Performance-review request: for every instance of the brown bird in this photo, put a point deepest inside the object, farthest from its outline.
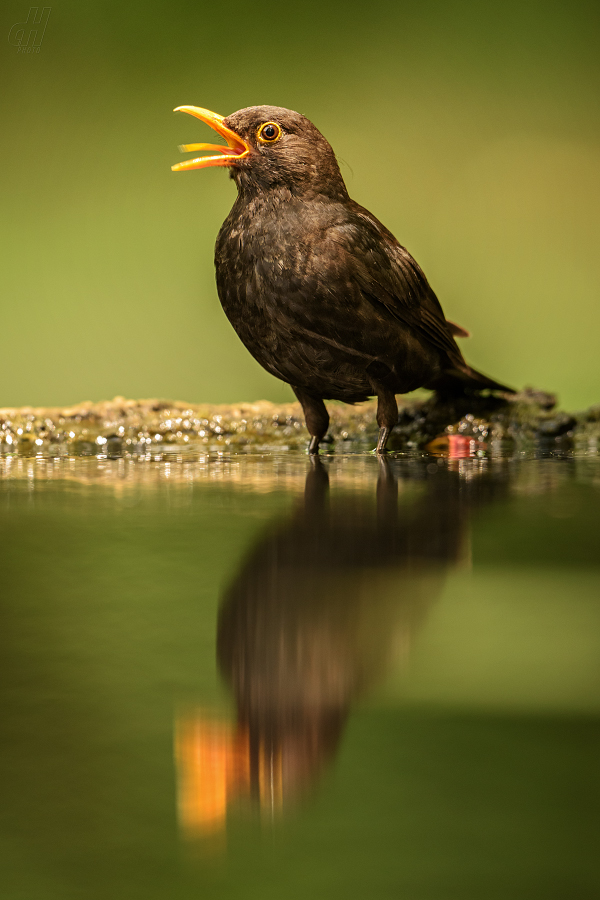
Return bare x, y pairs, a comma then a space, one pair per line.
319, 291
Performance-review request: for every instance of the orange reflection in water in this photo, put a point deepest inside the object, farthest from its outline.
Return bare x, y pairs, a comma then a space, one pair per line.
213, 767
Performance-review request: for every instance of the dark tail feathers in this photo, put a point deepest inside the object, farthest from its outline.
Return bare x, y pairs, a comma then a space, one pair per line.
459, 381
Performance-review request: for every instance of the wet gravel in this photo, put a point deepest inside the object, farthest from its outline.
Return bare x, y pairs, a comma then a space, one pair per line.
134, 428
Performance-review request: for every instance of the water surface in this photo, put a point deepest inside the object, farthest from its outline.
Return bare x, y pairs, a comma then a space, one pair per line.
261, 676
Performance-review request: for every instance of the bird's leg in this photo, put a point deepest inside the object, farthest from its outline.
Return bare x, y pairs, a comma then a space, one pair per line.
315, 416
387, 414
384, 433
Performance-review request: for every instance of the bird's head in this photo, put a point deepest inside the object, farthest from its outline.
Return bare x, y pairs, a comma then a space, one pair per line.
268, 147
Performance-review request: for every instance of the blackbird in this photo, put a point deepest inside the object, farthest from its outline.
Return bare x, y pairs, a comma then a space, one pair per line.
318, 290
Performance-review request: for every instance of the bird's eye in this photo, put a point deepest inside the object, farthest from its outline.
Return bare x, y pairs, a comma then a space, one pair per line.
269, 133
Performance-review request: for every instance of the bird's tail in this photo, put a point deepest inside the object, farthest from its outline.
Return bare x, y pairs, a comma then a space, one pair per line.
464, 379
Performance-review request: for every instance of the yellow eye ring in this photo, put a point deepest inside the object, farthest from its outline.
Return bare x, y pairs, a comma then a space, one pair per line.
269, 133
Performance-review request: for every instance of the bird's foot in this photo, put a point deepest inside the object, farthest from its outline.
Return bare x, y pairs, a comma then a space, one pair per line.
384, 433
313, 447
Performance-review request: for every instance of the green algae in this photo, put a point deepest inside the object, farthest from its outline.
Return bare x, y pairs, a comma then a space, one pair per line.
135, 428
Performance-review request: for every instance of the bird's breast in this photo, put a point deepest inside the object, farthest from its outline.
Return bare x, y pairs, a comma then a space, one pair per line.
299, 310
261, 260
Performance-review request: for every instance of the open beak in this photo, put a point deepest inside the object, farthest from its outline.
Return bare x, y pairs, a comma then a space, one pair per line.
226, 155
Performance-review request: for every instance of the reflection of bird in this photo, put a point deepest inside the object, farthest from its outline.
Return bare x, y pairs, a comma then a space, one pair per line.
319, 608
319, 291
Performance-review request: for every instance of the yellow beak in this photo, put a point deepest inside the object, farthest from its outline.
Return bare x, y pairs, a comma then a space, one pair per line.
236, 147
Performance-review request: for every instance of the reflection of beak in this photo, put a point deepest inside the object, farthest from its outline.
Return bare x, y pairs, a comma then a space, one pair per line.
236, 148
213, 768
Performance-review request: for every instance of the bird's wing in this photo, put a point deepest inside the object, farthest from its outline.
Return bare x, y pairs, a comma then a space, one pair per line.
387, 274
457, 330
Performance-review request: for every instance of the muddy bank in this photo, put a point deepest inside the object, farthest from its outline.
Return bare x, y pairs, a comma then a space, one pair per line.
122, 427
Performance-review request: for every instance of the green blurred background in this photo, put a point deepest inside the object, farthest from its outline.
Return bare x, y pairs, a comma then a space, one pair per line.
472, 130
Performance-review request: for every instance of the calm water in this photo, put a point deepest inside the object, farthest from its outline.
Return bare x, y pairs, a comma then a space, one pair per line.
259, 677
